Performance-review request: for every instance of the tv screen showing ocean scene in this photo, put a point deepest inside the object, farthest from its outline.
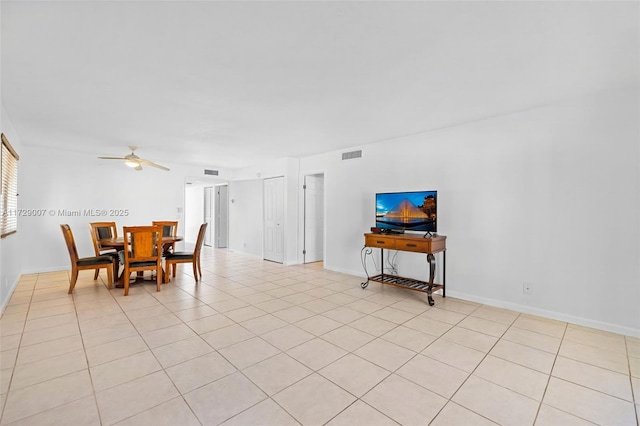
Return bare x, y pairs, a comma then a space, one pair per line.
415, 211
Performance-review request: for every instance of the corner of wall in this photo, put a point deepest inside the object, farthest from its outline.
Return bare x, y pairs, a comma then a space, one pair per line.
7, 290
10, 261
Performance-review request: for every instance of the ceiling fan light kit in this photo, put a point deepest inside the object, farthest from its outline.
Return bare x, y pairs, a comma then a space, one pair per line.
135, 162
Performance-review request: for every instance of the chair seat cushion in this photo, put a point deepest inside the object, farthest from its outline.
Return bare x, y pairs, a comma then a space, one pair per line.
179, 255
100, 260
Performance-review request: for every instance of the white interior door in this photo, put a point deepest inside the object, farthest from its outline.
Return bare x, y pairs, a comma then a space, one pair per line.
273, 246
208, 213
313, 250
222, 216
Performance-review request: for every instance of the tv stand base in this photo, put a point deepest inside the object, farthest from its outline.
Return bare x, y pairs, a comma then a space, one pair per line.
408, 283
407, 243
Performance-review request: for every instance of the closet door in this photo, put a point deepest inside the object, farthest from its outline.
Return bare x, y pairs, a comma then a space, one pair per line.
273, 247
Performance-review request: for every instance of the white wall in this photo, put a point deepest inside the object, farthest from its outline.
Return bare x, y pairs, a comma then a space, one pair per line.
289, 169
10, 259
246, 217
293, 184
193, 212
548, 196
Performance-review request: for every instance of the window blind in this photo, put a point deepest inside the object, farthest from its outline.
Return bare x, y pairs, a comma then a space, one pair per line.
10, 158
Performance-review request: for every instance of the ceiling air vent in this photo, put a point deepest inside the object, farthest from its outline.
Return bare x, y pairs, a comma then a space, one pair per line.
352, 154
211, 172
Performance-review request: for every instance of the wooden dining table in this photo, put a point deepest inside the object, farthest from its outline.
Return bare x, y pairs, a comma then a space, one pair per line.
118, 244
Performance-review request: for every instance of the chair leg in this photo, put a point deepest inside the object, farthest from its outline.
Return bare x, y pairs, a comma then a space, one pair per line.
111, 275
95, 274
175, 269
158, 278
125, 279
199, 268
74, 278
109, 269
195, 270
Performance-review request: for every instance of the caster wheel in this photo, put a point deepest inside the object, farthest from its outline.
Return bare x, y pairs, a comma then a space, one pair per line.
364, 285
430, 300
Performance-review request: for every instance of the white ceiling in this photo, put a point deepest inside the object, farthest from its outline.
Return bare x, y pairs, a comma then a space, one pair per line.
230, 84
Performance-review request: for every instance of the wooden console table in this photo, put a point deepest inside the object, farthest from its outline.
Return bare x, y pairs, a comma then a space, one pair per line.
411, 243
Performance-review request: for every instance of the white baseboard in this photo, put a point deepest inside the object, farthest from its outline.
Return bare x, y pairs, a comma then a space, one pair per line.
244, 253
4, 303
47, 269
259, 256
586, 322
358, 274
559, 316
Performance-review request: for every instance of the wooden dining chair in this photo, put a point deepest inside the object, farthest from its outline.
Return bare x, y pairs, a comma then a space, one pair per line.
187, 257
79, 264
169, 229
144, 252
101, 231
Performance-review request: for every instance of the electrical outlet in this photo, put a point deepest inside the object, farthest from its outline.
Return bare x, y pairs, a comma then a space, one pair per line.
527, 287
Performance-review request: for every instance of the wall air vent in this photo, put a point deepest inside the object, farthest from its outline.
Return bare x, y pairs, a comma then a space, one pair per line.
352, 154
211, 172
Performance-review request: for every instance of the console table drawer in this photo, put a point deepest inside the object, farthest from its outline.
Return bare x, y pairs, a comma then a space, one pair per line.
380, 241
413, 245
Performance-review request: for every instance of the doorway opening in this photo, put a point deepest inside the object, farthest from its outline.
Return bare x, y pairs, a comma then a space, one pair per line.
221, 216
203, 205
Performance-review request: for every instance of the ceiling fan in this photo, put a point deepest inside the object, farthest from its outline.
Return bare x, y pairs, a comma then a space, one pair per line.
132, 160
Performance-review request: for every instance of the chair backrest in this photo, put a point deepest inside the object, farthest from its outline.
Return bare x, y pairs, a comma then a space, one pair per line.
200, 240
100, 231
169, 228
145, 243
71, 244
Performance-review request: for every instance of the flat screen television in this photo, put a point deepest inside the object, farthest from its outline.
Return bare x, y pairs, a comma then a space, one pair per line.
411, 211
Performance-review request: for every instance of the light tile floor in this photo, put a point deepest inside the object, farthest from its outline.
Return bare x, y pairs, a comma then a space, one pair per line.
261, 343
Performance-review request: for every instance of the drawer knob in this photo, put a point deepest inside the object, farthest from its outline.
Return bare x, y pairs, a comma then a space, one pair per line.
411, 245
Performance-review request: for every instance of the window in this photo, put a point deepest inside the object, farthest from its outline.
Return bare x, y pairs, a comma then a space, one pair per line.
10, 158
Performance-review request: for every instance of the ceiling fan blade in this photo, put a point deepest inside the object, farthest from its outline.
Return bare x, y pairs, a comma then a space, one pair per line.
152, 164
132, 160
